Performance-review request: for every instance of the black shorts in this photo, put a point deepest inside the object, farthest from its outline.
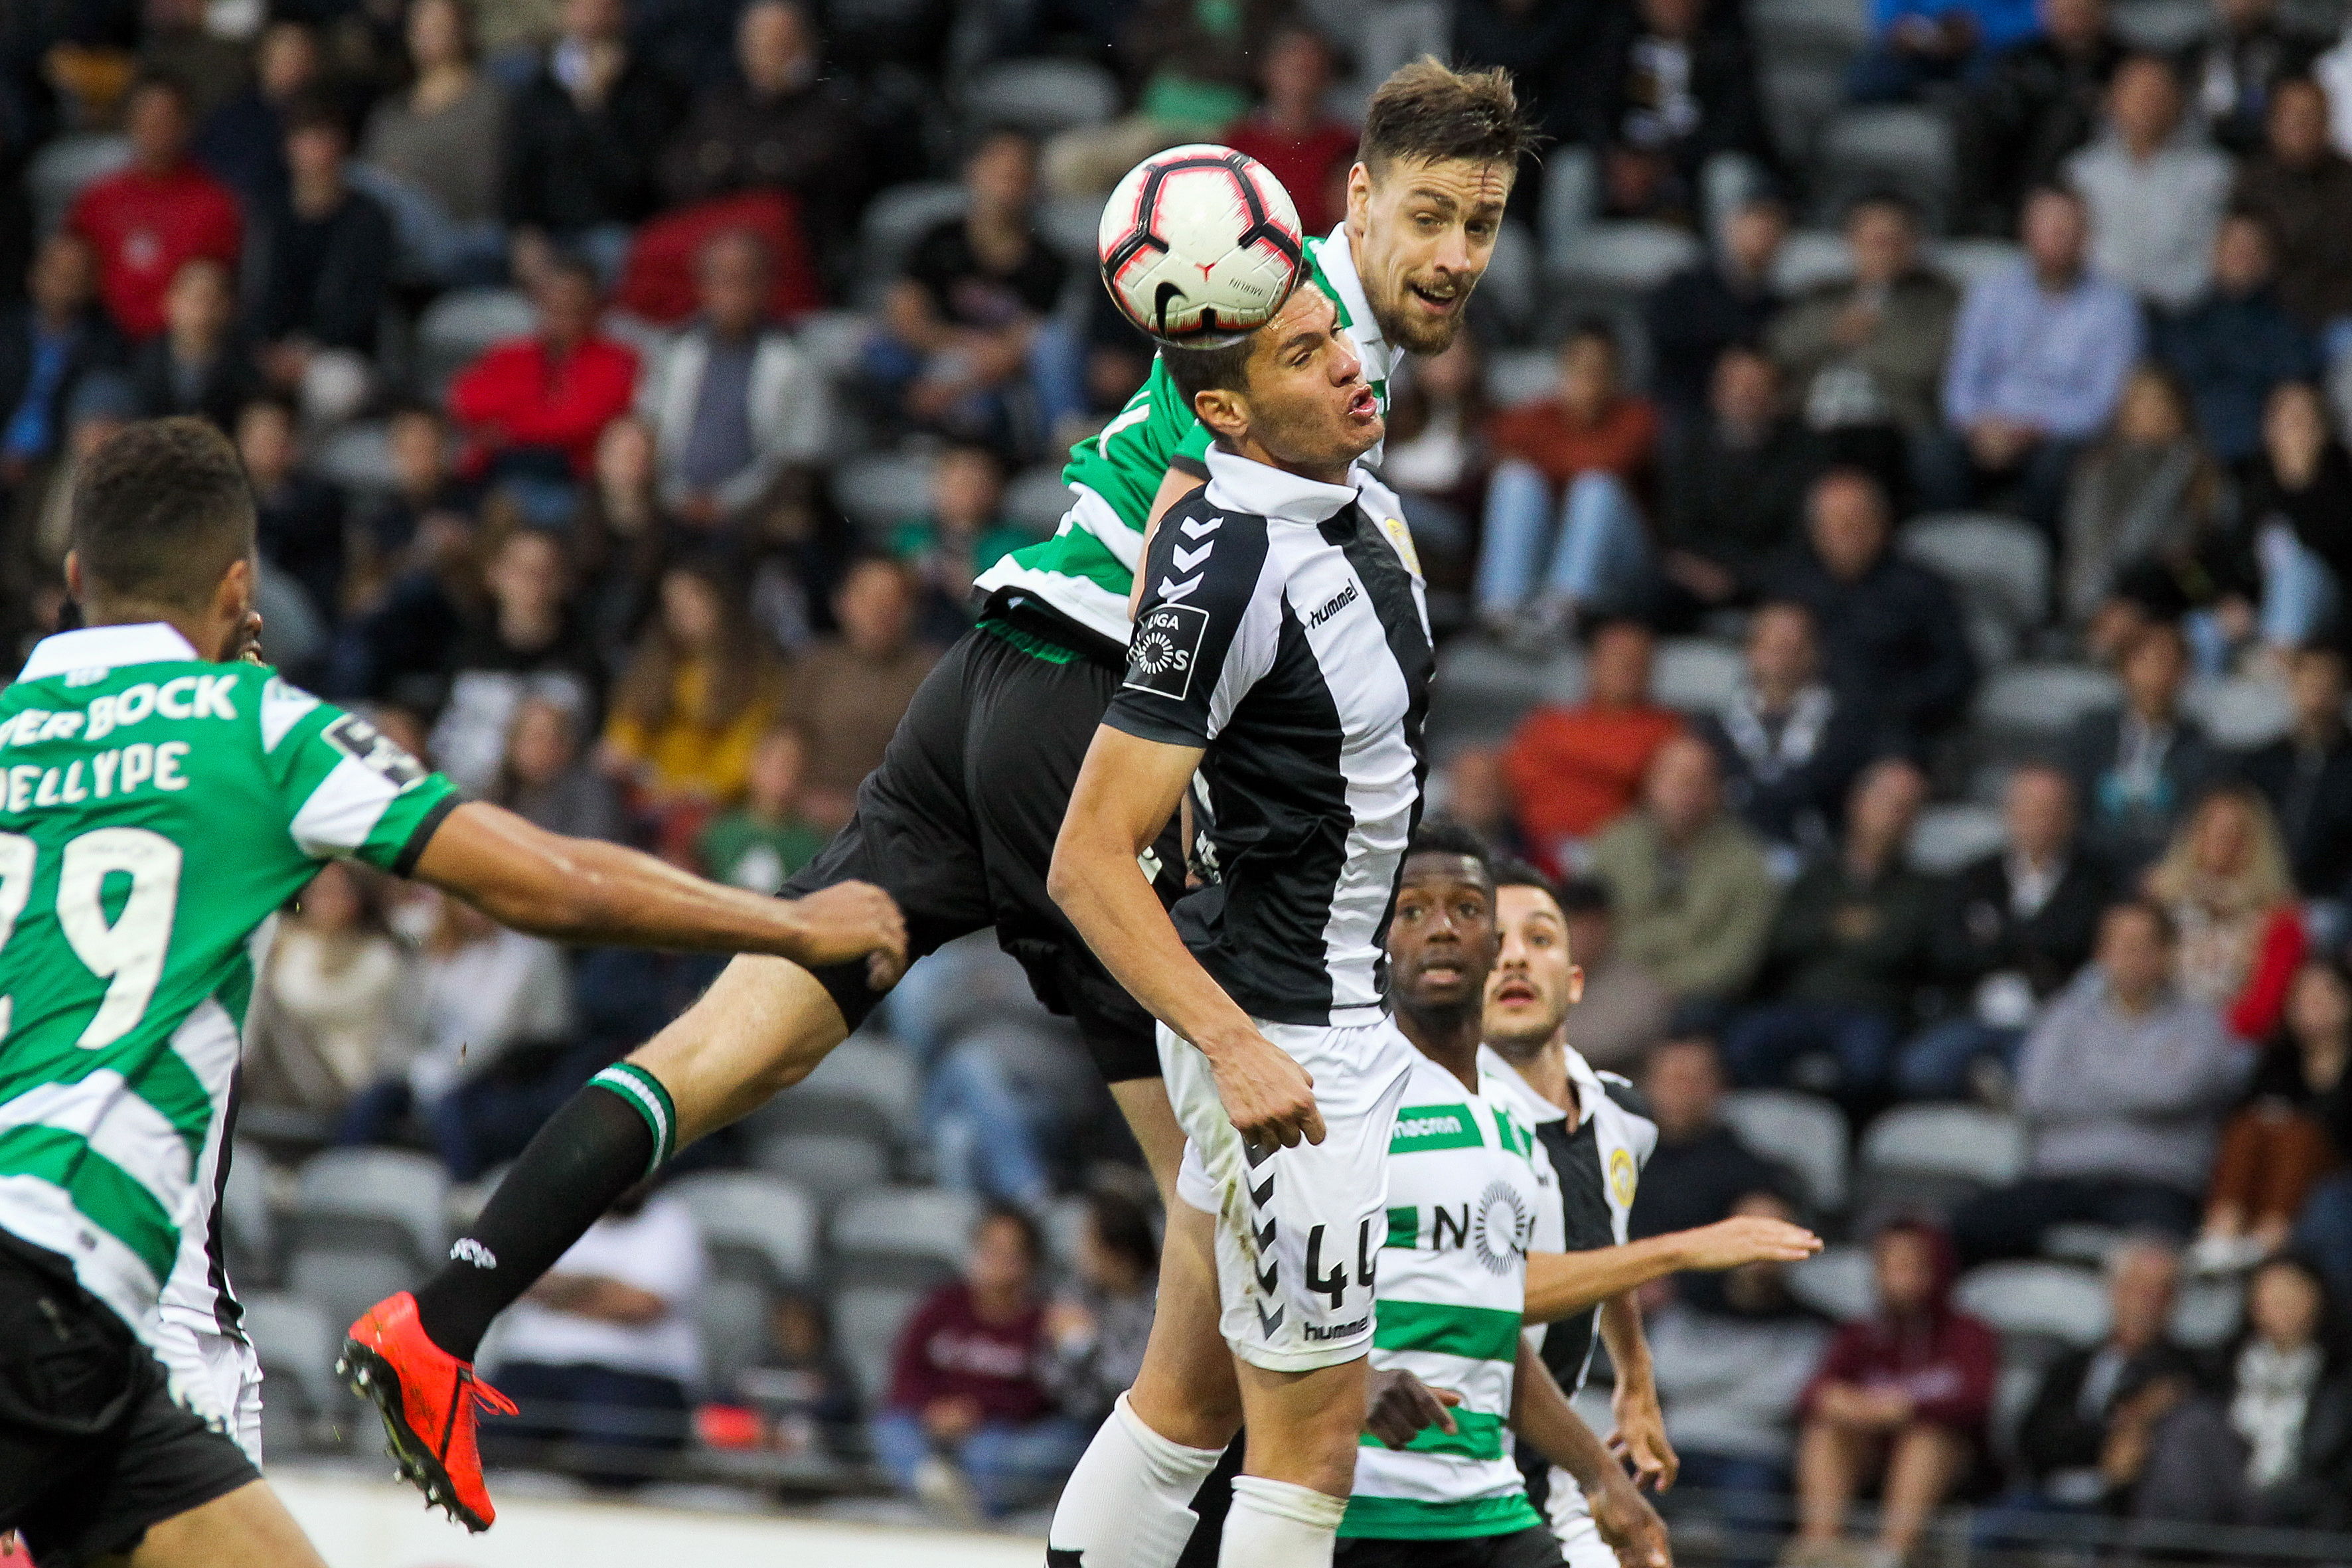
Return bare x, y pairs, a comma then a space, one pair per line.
959, 822
93, 1448
1530, 1548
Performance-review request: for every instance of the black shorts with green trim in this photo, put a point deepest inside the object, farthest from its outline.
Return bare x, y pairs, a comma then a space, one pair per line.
1534, 1547
957, 824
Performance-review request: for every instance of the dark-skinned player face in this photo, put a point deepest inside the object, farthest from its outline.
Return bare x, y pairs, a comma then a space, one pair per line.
1442, 938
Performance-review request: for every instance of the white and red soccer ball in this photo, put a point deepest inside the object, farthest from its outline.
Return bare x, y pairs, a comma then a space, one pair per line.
1199, 244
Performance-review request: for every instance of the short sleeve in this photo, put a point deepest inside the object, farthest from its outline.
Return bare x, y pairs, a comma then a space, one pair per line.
350, 791
1205, 631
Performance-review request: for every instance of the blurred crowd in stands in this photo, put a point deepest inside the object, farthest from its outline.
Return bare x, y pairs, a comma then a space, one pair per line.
1890, 527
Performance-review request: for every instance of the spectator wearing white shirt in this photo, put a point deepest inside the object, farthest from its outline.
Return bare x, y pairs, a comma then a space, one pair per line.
604, 1351
2155, 187
733, 402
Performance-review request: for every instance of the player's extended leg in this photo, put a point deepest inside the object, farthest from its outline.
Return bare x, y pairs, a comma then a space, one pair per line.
1301, 1464
246, 1526
1129, 1502
1144, 1102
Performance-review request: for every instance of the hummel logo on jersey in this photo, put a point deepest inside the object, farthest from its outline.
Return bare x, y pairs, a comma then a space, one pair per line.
466, 1249
1166, 646
1332, 605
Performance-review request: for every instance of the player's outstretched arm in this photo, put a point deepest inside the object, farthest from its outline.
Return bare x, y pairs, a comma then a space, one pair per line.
1542, 1413
1128, 788
1641, 1436
1562, 1284
585, 889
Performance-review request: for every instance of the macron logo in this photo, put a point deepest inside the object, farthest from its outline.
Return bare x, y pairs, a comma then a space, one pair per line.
1332, 605
466, 1249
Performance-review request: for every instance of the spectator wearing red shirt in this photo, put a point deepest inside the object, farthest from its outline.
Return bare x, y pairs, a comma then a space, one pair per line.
969, 1426
531, 403
1565, 534
147, 220
1291, 133
1572, 771
1904, 1395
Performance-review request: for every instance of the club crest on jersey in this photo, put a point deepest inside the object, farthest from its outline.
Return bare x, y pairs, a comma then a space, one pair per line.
1164, 649
1622, 1177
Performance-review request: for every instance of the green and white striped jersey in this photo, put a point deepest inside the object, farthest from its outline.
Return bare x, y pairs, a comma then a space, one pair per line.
1084, 572
1464, 1179
155, 810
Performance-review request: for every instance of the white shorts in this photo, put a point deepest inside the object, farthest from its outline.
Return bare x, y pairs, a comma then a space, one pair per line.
1571, 1517
1299, 1230
216, 1375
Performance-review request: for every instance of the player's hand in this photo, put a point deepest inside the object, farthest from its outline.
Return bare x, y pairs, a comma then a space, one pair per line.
1268, 1096
1398, 1406
1641, 1437
1747, 1239
1628, 1525
852, 920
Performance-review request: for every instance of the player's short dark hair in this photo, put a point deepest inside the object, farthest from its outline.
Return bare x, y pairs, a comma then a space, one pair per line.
1196, 371
1511, 872
1444, 835
1427, 110
159, 512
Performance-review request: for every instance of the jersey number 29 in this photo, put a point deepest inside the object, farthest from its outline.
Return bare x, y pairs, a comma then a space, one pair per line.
126, 951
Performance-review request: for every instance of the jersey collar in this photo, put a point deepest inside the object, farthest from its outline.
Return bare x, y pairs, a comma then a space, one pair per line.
1241, 484
1335, 258
1521, 1099
107, 648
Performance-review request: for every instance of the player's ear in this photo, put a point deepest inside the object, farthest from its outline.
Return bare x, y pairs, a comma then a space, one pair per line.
1225, 412
1359, 198
1575, 984
73, 576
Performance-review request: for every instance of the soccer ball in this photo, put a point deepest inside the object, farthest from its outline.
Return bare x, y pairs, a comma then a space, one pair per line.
1199, 244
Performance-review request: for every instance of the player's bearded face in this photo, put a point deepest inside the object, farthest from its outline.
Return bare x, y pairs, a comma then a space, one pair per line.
1423, 232
1534, 980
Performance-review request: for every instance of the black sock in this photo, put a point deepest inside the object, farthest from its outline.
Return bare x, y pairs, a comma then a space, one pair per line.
607, 1138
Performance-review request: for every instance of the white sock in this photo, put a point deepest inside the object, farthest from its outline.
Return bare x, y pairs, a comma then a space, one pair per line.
1128, 1503
1274, 1524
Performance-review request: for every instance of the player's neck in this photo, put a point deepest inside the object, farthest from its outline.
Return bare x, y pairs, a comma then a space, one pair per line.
1545, 1070
1254, 450
1446, 1035
199, 635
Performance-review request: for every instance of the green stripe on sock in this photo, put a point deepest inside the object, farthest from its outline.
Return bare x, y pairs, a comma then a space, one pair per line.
647, 1096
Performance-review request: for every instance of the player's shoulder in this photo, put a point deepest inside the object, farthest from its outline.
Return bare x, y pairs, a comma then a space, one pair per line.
1204, 544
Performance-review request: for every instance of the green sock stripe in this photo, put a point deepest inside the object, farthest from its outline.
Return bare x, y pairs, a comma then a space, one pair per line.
647, 1096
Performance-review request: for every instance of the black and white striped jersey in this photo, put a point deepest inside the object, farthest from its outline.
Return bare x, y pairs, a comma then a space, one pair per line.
1285, 630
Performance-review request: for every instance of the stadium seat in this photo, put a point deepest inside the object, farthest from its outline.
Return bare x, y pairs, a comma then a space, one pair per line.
866, 1320
1999, 564
869, 1071
1064, 1221
61, 170
754, 1221
344, 1281
1949, 836
1802, 1132
910, 1236
1835, 29
2240, 711
1384, 37
1041, 96
2206, 1311
1510, 295
1836, 1282
893, 221
2023, 1363
1907, 148
248, 1229
835, 339
1619, 257
1933, 1156
829, 1166
1695, 675
1482, 691
1808, 258
296, 1343
2050, 1301
1037, 498
730, 1314
1800, 95
2081, 1243
2042, 702
1521, 375
357, 457
2161, 27
369, 1197
1071, 228
456, 327
882, 490
1967, 261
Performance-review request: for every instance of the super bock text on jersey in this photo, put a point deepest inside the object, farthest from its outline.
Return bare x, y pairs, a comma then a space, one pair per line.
158, 809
